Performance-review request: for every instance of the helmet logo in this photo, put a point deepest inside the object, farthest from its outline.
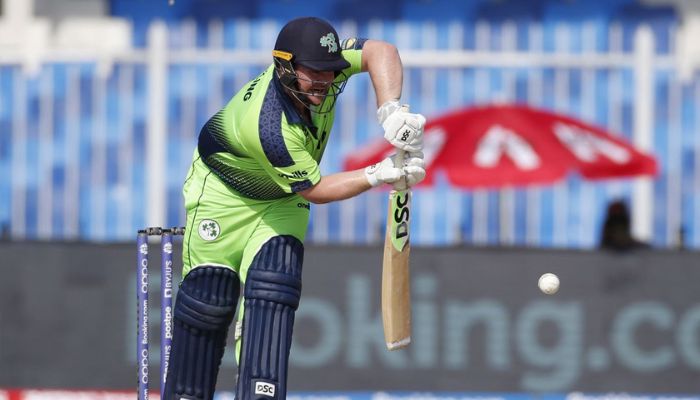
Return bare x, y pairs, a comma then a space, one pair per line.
329, 41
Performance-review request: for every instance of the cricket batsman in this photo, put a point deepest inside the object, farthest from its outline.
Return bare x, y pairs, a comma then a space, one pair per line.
248, 194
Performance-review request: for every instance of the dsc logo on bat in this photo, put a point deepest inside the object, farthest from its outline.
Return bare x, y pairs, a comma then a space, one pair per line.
401, 201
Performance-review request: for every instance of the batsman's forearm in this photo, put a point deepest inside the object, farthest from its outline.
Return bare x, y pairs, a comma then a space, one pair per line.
383, 63
340, 186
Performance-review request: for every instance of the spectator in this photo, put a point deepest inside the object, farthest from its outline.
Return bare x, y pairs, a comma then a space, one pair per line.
617, 233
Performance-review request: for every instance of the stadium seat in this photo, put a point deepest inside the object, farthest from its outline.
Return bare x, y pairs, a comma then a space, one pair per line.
659, 18
205, 10
559, 11
201, 10
96, 33
284, 10
363, 12
142, 13
511, 10
34, 34
439, 10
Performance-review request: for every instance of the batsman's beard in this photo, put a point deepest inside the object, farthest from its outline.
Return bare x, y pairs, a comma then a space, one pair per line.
289, 80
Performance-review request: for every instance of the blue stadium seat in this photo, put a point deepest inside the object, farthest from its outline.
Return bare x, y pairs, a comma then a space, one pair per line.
284, 10
201, 10
205, 10
142, 13
439, 10
660, 18
361, 11
511, 10
641, 12
572, 11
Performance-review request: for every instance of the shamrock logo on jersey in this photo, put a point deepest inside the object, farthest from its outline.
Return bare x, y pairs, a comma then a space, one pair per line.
329, 41
209, 229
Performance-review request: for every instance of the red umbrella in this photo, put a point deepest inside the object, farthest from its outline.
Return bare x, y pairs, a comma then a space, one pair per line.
497, 146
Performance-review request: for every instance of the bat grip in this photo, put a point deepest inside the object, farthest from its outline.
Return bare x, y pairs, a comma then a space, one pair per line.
398, 163
398, 160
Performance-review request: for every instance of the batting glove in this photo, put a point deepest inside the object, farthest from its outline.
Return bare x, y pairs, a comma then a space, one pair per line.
404, 130
383, 172
414, 168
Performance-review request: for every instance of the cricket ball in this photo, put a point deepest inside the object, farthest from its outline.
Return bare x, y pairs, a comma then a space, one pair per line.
548, 283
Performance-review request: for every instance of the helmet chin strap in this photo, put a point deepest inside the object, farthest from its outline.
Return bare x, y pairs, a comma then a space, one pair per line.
290, 81
291, 87
304, 100
302, 96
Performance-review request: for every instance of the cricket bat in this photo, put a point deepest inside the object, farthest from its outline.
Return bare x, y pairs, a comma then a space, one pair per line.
396, 287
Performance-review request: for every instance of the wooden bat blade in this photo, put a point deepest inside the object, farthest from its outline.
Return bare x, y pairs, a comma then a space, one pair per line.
396, 295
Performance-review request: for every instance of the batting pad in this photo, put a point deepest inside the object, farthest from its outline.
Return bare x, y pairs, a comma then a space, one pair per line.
272, 291
203, 312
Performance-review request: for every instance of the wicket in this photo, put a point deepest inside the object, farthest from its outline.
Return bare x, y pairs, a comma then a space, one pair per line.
166, 303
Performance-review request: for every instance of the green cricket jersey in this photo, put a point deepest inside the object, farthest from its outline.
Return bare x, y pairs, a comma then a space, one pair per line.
260, 146
251, 159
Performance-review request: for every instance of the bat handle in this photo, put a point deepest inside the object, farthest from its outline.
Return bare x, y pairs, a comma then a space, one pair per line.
398, 160
398, 163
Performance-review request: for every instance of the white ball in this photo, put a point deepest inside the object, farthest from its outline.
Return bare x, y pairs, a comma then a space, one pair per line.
548, 283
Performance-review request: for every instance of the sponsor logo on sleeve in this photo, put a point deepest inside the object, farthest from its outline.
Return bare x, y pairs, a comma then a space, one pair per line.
294, 175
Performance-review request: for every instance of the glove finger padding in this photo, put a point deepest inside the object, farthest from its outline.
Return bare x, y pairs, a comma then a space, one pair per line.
414, 158
414, 174
383, 172
414, 168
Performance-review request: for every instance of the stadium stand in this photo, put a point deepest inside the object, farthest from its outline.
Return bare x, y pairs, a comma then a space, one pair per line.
68, 89
385, 10
511, 10
283, 10
660, 18
142, 13
439, 10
